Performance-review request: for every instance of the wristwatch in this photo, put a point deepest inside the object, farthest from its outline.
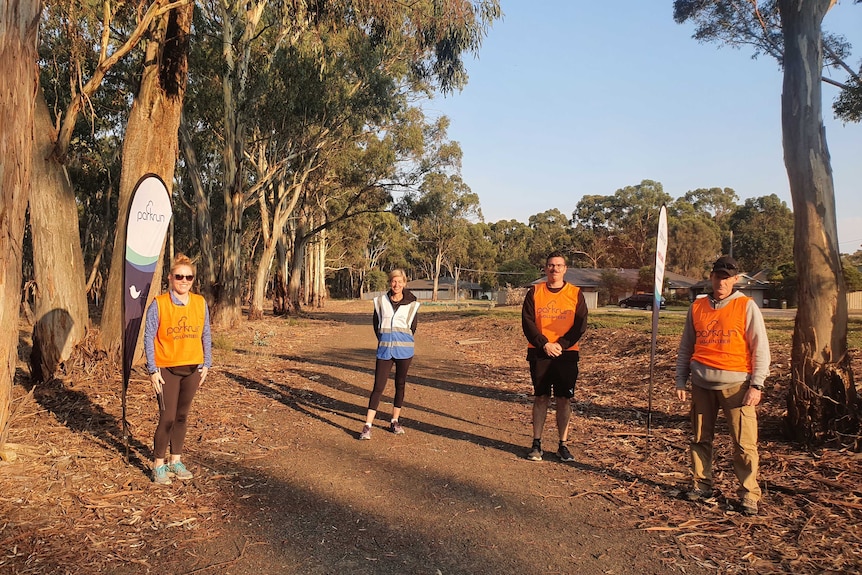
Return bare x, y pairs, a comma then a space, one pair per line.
758, 387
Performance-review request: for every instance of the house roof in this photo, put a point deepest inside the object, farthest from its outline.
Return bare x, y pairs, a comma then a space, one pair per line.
444, 283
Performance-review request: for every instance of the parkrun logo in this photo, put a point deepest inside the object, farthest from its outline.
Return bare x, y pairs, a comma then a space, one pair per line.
149, 216
183, 331
714, 334
552, 312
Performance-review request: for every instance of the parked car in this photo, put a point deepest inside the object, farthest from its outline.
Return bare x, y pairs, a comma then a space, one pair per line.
642, 300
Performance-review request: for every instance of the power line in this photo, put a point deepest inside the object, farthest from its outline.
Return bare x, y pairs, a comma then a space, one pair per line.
490, 272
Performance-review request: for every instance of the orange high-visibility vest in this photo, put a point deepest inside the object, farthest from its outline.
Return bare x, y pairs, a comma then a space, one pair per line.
181, 327
555, 312
720, 335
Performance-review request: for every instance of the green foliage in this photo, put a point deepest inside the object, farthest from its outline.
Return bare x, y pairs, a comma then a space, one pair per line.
848, 104
376, 280
481, 254
694, 242
784, 281
438, 217
512, 240
628, 221
757, 25
613, 287
518, 272
852, 275
551, 232
762, 233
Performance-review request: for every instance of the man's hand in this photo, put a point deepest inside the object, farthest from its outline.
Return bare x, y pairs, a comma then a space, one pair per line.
752, 396
680, 394
553, 349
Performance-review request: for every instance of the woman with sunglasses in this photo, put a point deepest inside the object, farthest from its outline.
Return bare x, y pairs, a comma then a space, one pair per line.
178, 344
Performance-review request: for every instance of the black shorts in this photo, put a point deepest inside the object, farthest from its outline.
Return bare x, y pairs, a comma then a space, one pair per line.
559, 375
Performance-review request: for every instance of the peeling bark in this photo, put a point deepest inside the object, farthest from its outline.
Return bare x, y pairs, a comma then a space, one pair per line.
822, 402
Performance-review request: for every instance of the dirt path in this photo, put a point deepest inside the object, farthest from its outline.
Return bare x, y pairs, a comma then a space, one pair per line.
454, 495
283, 486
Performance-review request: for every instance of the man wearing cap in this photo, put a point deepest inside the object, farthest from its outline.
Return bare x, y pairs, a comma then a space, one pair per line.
725, 351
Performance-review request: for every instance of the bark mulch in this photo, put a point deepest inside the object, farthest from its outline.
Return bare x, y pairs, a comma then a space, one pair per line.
70, 503
810, 519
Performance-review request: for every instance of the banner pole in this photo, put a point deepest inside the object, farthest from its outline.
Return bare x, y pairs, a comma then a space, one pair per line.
660, 253
146, 226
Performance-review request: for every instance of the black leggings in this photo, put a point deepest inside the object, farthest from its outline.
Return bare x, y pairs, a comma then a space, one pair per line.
177, 394
381, 374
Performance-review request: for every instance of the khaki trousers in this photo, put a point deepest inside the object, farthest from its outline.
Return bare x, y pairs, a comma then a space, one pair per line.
742, 421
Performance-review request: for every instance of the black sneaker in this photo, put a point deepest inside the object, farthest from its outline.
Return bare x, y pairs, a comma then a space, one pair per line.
564, 454
535, 452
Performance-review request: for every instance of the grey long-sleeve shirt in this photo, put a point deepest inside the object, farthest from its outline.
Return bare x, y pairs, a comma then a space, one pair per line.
755, 335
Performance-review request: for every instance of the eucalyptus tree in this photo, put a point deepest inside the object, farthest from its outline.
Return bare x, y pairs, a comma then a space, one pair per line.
151, 138
438, 217
481, 255
80, 48
823, 402
593, 246
762, 233
17, 102
414, 46
717, 203
373, 241
629, 218
551, 231
694, 235
634, 220
512, 240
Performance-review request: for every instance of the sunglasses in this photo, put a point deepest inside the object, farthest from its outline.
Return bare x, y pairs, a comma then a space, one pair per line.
180, 277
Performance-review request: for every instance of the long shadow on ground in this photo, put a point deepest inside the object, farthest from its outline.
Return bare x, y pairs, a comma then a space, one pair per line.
307, 402
75, 410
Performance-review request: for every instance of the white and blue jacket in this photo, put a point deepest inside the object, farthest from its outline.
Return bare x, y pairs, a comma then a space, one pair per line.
395, 324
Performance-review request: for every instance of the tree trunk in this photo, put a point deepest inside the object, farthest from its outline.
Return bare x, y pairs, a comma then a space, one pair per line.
438, 265
258, 292
280, 303
206, 266
294, 283
321, 269
18, 34
822, 402
58, 260
150, 145
307, 274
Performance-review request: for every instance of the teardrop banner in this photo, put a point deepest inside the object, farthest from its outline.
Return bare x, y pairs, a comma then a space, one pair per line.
660, 254
146, 226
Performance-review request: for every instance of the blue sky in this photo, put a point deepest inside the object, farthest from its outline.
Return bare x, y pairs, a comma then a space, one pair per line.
575, 97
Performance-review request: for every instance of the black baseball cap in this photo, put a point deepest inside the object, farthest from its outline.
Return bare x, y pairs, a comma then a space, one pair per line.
725, 266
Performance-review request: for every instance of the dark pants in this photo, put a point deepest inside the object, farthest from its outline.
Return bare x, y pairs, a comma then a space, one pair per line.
177, 394
381, 375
